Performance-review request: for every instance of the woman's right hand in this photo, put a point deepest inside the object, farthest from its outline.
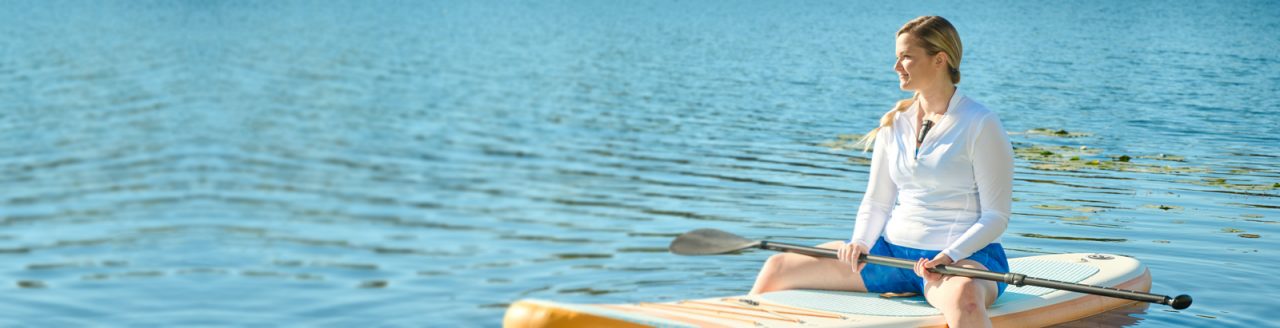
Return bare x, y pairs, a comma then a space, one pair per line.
850, 252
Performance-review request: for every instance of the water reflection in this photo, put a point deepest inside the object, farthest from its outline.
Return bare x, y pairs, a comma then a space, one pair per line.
1126, 316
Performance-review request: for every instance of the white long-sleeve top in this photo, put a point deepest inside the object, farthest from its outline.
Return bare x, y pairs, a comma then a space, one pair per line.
954, 195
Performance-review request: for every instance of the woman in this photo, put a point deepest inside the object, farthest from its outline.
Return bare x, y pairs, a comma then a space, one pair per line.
939, 191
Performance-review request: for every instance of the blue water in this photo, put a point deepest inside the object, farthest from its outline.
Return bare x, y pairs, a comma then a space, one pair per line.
412, 163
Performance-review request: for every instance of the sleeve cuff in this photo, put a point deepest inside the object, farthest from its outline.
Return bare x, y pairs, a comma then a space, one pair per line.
955, 254
863, 241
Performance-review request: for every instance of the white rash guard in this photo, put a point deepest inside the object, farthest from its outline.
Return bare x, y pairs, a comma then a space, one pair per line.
954, 196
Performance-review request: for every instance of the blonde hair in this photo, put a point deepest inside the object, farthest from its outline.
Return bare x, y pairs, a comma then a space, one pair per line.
936, 35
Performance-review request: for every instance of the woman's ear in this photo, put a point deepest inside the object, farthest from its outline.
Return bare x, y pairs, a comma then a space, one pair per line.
941, 58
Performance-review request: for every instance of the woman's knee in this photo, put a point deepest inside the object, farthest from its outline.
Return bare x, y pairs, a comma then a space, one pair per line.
773, 274
964, 294
775, 264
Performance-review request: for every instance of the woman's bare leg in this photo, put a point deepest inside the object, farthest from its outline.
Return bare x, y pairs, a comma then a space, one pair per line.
963, 301
795, 271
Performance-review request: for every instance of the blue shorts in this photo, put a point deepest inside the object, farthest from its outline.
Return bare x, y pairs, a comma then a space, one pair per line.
887, 279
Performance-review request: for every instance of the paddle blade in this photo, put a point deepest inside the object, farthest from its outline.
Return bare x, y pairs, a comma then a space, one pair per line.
709, 242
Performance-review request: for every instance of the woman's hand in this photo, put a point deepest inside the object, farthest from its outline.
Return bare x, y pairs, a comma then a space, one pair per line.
847, 252
922, 267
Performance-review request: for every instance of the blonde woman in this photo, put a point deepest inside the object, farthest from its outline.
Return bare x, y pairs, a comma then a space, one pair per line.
939, 191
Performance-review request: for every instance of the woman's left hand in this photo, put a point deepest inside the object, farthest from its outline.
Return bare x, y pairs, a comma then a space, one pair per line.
923, 266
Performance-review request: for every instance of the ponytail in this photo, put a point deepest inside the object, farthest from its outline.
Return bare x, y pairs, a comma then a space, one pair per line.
886, 121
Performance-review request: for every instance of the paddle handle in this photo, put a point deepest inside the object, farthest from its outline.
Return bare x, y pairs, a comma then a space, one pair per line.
1016, 279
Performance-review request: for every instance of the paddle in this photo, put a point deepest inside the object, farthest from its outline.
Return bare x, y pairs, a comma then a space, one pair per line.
712, 241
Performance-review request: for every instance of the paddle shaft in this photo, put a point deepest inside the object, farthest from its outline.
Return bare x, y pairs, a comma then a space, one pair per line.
1015, 279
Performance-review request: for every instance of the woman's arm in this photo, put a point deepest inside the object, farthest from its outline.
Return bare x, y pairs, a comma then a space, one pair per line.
881, 194
993, 173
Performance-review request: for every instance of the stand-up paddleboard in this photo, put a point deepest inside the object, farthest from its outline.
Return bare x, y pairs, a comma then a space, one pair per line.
1026, 306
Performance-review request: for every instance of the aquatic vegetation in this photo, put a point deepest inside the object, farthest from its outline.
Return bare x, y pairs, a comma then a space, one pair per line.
1164, 157
373, 284
864, 161
1164, 207
31, 284
843, 142
52, 266
1057, 157
1057, 133
1051, 153
1275, 207
1248, 170
1087, 209
1221, 182
95, 276
1241, 234
1083, 209
576, 256
1066, 158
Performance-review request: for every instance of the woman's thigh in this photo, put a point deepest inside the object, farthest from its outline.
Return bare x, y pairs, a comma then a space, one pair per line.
797, 271
950, 285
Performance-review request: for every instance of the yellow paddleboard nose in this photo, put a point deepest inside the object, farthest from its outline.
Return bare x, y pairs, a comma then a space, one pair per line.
538, 314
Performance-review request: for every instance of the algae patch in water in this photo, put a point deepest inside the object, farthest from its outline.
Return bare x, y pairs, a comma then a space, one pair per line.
1164, 207
843, 142
1060, 133
1164, 157
864, 161
374, 284
1221, 182
31, 284
287, 263
1066, 158
1052, 153
54, 266
1242, 235
1087, 209
96, 276
848, 142
575, 256
643, 250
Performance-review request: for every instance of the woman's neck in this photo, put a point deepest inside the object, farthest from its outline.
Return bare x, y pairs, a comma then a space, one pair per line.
935, 100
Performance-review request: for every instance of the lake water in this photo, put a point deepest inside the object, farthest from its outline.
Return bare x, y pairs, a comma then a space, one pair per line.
414, 163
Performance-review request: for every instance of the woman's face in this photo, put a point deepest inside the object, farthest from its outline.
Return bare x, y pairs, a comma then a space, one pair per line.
916, 69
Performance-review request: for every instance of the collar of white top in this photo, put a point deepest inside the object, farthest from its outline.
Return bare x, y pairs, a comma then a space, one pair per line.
951, 106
